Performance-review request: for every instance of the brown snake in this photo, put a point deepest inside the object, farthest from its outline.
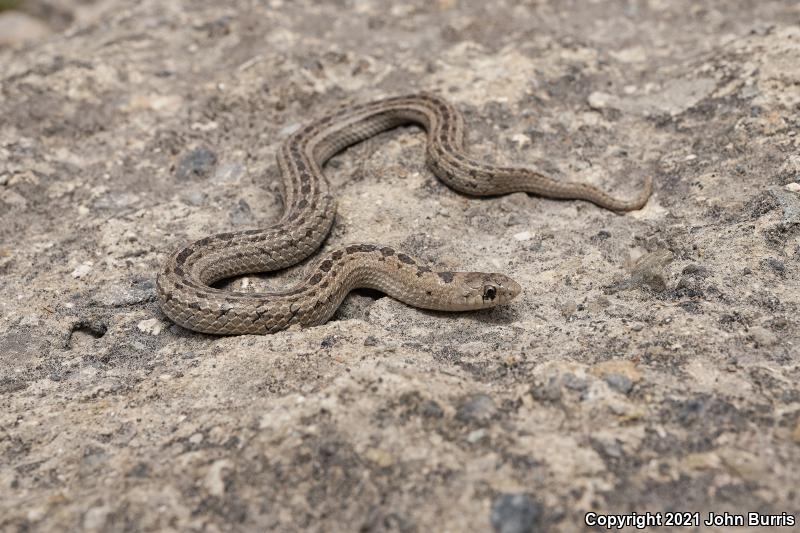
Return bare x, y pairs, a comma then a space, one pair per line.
183, 284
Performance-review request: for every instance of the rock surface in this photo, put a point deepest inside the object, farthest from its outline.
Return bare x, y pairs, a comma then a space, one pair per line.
650, 364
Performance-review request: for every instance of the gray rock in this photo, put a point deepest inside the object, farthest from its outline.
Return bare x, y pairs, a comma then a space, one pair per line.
789, 202
549, 391
514, 513
619, 382
194, 197
571, 381
197, 164
694, 269
431, 409
476, 409
241, 214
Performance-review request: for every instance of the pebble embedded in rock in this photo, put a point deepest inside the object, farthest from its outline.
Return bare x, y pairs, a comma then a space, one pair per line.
241, 214
196, 164
81, 271
689, 286
475, 436
775, 265
478, 409
549, 392
194, 197
619, 382
371, 341
153, 326
514, 513
789, 202
599, 100
571, 381
431, 409
693, 269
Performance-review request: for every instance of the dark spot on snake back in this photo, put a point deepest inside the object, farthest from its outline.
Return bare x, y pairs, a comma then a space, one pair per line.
315, 279
326, 265
405, 259
386, 251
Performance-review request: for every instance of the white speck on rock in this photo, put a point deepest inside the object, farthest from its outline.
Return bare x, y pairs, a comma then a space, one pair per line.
36, 514
204, 126
475, 436
599, 100
523, 236
214, 482
153, 326
82, 270
521, 139
793, 187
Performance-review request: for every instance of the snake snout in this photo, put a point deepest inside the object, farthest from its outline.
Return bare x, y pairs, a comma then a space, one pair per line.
501, 289
512, 289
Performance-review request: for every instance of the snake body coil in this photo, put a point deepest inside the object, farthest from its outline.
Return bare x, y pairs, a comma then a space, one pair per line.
183, 285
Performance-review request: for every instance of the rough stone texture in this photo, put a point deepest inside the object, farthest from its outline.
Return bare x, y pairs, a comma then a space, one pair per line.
651, 363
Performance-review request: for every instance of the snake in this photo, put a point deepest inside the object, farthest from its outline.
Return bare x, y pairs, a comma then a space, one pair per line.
185, 283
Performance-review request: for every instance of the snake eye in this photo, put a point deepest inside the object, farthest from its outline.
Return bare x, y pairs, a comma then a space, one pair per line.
489, 292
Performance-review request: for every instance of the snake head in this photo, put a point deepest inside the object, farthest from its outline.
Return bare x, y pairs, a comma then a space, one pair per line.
478, 290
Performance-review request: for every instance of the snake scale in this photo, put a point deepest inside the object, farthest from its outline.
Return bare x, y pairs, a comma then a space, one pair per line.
184, 284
